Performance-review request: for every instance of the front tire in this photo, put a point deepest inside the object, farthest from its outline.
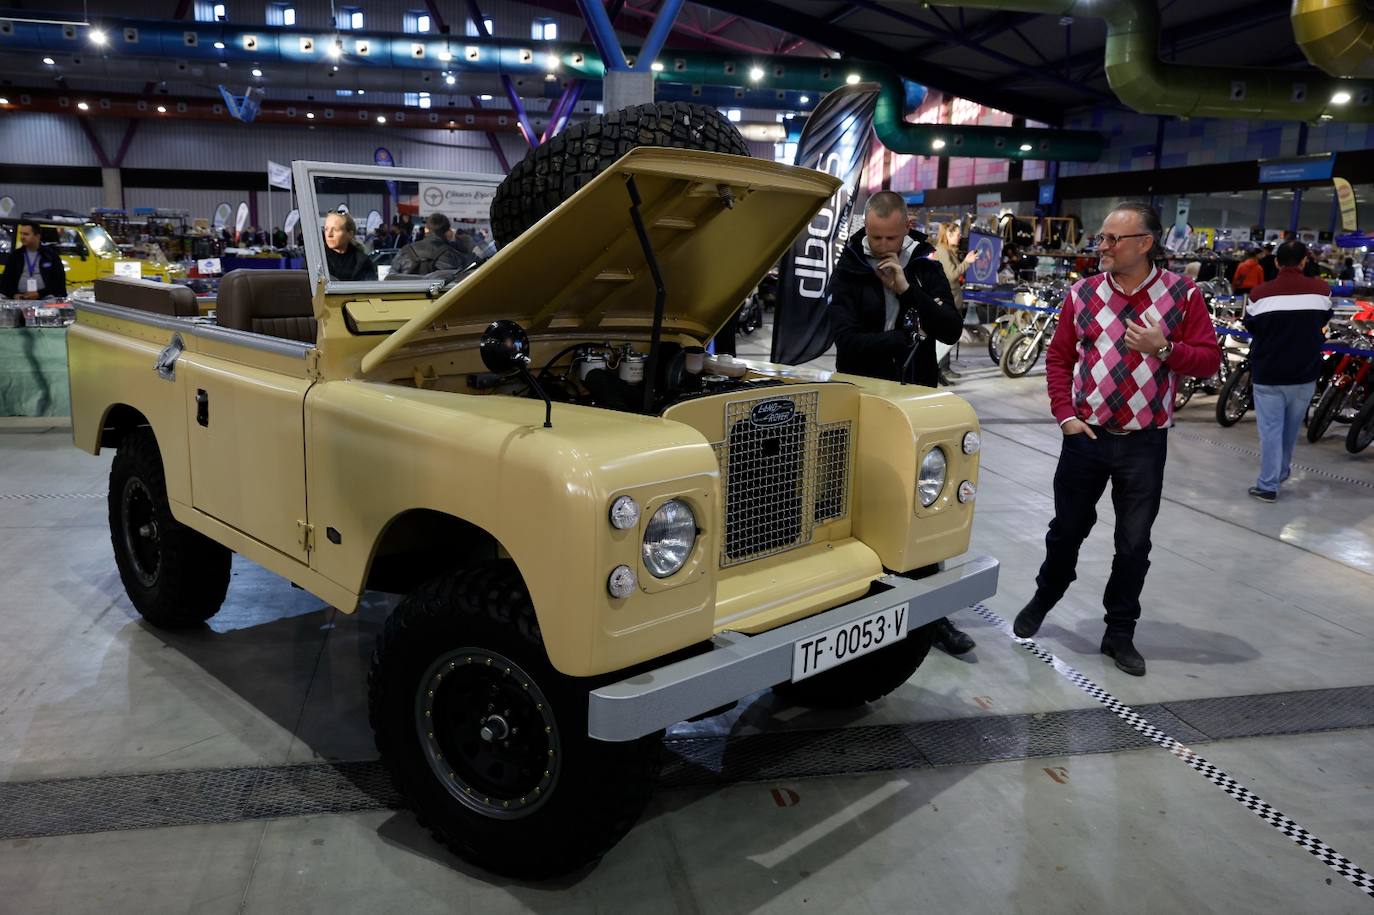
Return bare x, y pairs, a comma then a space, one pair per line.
1361, 432
1187, 386
1021, 354
175, 577
866, 679
488, 742
1330, 404
1235, 398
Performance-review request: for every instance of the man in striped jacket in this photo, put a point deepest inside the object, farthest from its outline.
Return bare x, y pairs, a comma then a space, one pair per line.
1285, 317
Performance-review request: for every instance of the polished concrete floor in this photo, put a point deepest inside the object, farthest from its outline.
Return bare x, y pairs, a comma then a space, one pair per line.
1243, 598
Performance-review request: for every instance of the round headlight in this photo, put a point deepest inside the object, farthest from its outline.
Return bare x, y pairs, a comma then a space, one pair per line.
622, 582
624, 513
669, 537
932, 479
972, 443
967, 491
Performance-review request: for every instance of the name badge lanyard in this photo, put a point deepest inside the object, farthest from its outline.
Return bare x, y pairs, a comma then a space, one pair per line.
31, 268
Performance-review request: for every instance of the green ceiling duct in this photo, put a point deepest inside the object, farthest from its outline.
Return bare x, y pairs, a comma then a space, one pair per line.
1147, 84
899, 135
1336, 35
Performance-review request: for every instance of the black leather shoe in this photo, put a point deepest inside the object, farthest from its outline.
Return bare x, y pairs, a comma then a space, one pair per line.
951, 640
1264, 495
1120, 648
1029, 619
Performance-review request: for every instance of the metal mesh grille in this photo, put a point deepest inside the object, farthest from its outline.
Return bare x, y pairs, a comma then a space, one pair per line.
832, 472
780, 479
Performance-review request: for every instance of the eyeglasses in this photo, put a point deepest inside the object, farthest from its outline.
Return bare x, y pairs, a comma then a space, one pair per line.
1108, 240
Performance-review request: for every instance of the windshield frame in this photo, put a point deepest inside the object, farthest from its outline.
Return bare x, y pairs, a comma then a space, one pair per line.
91, 233
304, 174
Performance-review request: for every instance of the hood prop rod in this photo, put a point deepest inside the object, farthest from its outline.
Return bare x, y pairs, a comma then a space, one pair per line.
660, 293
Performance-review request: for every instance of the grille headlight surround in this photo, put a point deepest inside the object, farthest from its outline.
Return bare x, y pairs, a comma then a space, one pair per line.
624, 513
971, 443
931, 480
669, 538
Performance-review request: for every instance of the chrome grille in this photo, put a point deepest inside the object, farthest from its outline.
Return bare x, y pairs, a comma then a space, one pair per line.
780, 480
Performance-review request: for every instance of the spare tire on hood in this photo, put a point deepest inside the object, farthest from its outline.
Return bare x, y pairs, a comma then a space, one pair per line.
555, 170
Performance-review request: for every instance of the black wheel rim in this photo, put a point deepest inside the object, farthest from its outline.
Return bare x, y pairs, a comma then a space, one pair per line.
142, 538
1238, 402
488, 733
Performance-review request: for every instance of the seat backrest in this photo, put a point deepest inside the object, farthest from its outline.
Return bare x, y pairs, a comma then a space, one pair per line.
147, 295
272, 302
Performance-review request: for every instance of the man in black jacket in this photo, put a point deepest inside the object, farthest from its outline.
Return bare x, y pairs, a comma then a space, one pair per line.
433, 252
889, 303
33, 269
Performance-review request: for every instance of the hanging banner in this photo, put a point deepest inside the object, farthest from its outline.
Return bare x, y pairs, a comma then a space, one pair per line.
457, 201
241, 218
1345, 195
835, 140
291, 219
374, 219
278, 175
989, 208
221, 216
6, 206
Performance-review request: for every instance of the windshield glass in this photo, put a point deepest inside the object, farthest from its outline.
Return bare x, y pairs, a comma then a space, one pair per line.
363, 222
100, 242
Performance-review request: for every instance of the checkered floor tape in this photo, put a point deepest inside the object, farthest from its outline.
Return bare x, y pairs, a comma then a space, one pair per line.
1242, 795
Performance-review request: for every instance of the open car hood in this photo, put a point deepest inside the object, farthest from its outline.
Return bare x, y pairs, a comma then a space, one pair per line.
580, 271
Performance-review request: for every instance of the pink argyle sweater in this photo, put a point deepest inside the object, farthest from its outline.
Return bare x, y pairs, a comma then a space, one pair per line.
1095, 377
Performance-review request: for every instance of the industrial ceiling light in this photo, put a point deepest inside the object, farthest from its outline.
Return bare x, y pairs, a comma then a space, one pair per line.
310, 115
1026, 147
98, 37
805, 99
161, 109
551, 62
381, 119
49, 61
362, 92
852, 78
450, 79
937, 144
1340, 98
83, 106
3, 100
656, 67
219, 46
446, 55
257, 72
335, 50
485, 98
756, 74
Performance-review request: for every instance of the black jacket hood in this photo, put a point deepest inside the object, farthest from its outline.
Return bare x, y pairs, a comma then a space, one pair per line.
854, 260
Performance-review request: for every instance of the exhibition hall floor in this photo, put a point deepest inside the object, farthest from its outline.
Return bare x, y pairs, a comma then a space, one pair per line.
996, 782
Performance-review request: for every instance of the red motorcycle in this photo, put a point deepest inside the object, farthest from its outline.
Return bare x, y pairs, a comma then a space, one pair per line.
1348, 390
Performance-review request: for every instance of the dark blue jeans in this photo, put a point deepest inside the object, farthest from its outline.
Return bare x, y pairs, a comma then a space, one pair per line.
1134, 466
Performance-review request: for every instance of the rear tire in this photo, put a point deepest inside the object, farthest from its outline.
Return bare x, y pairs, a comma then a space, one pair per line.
175, 577
556, 170
488, 742
1330, 404
1187, 386
865, 680
1235, 398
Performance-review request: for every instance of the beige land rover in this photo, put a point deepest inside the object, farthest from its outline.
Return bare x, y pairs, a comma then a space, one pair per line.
599, 529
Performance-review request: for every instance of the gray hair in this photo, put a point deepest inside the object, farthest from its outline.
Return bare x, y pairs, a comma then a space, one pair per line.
884, 203
1149, 219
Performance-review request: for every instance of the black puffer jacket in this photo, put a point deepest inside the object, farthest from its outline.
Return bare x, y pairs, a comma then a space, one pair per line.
429, 254
858, 311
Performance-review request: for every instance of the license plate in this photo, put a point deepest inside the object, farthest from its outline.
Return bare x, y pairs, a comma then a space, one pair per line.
833, 647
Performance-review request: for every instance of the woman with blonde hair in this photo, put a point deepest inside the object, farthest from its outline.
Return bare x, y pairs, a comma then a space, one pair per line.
947, 256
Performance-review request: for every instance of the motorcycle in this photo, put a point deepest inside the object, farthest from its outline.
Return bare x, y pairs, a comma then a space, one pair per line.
1237, 395
1347, 393
1023, 351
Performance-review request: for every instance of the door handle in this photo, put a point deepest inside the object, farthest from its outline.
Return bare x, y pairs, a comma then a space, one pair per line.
202, 407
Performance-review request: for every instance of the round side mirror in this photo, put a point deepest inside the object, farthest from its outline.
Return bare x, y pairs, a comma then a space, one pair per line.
505, 347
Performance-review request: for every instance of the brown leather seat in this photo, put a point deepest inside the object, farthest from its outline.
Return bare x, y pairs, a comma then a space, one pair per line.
272, 302
146, 295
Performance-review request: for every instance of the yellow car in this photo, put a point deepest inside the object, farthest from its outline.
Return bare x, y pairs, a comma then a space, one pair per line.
601, 530
86, 250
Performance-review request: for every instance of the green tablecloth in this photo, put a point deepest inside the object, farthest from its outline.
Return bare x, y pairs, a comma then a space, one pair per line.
33, 372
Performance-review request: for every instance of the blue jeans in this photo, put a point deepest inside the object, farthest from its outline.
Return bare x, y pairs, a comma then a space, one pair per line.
1134, 467
1279, 409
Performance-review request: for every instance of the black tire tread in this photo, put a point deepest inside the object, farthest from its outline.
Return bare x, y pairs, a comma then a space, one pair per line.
486, 601
1239, 377
193, 575
1361, 428
557, 169
1325, 412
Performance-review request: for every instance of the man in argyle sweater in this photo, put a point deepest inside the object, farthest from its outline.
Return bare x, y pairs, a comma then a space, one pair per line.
1124, 337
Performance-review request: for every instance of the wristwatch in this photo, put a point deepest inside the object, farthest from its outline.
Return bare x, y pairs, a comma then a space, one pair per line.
1164, 352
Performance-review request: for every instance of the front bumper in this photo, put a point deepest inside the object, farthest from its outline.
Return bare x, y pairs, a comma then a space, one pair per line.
739, 664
